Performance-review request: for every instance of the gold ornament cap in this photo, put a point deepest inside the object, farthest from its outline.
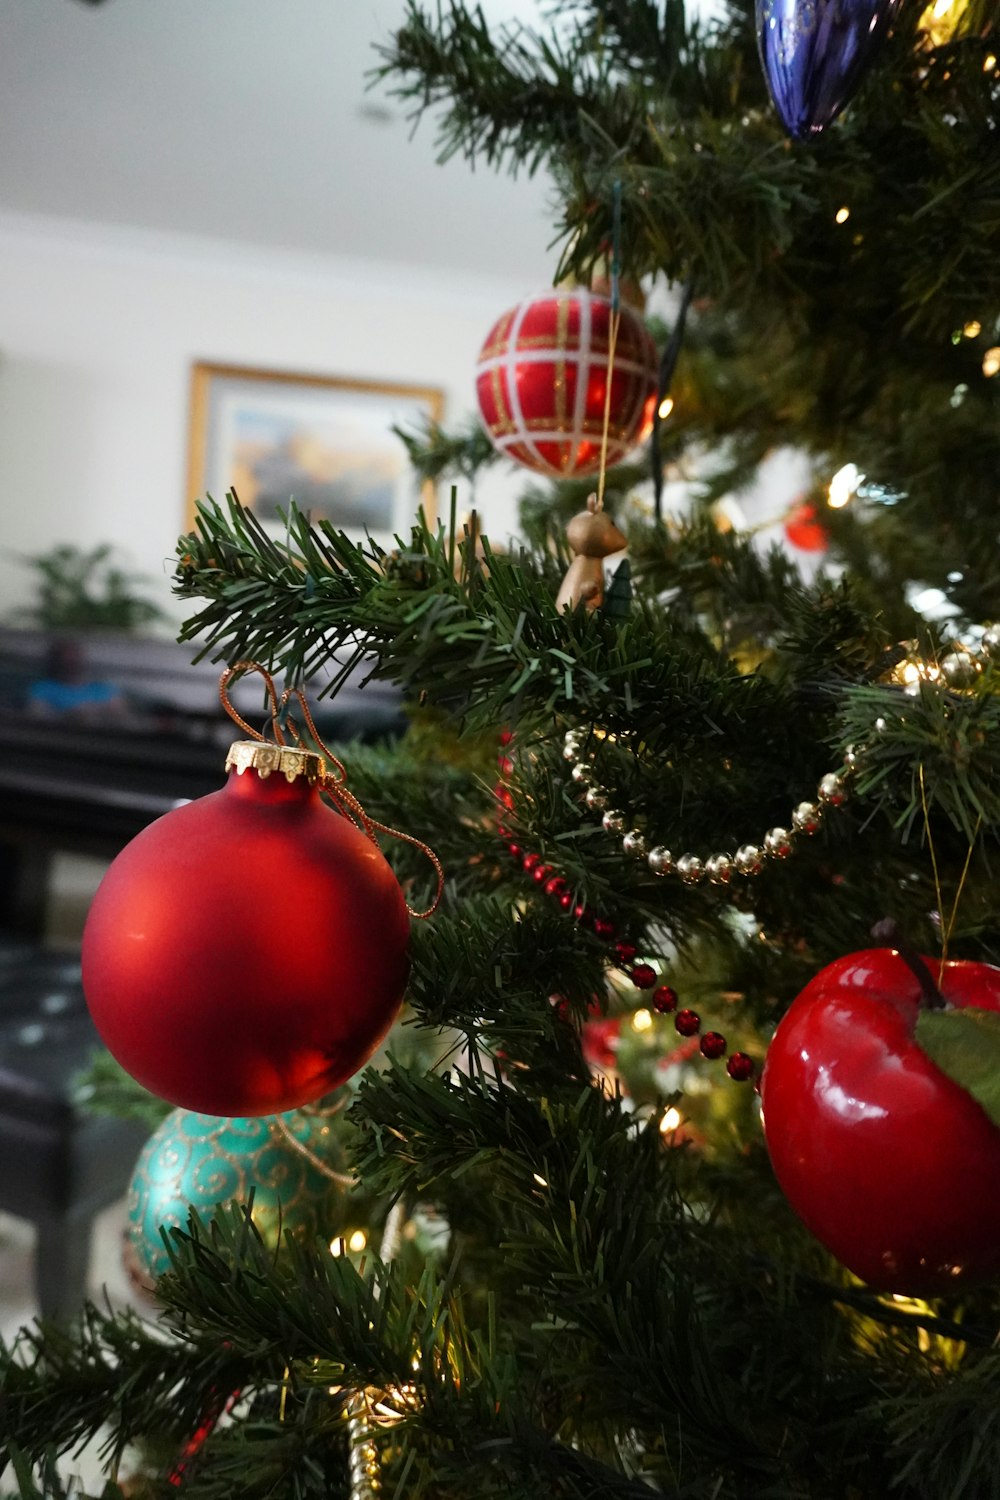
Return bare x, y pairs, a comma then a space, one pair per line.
287, 760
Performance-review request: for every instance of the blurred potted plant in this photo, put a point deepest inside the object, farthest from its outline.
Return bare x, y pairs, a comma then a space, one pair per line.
80, 590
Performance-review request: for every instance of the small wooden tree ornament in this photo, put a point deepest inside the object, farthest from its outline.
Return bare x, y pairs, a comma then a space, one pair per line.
593, 536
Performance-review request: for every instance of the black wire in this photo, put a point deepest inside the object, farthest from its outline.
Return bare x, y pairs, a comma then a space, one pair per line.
667, 366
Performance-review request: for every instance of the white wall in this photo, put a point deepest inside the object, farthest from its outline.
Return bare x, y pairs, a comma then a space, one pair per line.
98, 331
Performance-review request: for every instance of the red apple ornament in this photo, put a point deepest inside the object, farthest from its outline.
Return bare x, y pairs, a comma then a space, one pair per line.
892, 1164
247, 952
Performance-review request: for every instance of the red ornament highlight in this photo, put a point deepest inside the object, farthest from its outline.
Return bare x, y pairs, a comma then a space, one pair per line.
889, 1162
805, 530
542, 379
247, 953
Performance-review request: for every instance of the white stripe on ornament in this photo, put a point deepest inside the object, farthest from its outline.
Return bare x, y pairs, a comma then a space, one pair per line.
546, 356
509, 362
582, 375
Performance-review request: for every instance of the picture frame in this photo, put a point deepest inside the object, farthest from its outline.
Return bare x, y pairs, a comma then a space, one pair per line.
324, 441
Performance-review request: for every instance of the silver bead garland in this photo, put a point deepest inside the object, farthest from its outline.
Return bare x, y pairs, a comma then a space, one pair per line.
718, 868
364, 1468
958, 669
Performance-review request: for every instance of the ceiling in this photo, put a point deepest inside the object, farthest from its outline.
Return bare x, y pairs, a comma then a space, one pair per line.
247, 120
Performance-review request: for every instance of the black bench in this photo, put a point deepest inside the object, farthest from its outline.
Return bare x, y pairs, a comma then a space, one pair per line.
59, 1166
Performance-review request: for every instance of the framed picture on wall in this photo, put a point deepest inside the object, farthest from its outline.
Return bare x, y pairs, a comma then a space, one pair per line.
325, 442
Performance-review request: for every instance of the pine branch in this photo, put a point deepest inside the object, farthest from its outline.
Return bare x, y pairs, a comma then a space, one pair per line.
60, 1388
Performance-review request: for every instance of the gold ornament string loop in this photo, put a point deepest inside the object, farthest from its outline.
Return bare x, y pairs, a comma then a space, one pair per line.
615, 322
341, 1179
237, 670
334, 784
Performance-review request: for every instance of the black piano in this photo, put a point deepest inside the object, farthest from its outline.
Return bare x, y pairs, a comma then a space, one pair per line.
87, 782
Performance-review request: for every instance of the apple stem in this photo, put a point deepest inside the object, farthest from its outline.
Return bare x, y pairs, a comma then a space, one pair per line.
888, 933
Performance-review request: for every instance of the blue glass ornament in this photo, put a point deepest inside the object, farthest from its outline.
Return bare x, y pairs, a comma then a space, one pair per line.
815, 53
204, 1160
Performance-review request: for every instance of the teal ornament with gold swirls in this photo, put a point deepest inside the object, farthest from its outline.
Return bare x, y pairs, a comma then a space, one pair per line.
200, 1161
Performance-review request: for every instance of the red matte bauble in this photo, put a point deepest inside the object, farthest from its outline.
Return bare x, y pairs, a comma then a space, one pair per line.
805, 530
247, 952
889, 1162
541, 380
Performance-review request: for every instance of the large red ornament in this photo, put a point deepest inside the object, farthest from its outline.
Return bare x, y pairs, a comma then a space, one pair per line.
889, 1162
246, 953
542, 375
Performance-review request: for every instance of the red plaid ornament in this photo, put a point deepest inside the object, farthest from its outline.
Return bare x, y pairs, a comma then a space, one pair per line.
541, 379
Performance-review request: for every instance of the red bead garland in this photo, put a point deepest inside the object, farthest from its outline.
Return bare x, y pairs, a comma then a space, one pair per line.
663, 1000
713, 1044
740, 1067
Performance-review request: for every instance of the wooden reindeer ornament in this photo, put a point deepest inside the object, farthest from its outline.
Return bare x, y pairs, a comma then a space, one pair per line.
593, 536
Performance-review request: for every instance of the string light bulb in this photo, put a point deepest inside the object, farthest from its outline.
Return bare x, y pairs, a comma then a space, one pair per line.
354, 1241
941, 20
991, 361
642, 1020
973, 328
842, 215
844, 486
671, 1120
665, 407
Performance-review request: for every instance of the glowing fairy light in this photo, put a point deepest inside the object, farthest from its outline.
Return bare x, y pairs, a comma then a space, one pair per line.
941, 20
671, 1120
844, 486
355, 1241
665, 408
842, 215
642, 1020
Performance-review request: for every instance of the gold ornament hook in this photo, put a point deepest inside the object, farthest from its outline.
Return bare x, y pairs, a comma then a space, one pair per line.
333, 778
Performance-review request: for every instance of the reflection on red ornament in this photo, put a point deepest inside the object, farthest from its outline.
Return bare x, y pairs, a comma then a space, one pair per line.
600, 1041
541, 380
804, 529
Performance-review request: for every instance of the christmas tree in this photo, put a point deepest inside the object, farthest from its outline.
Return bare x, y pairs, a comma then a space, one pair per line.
582, 1275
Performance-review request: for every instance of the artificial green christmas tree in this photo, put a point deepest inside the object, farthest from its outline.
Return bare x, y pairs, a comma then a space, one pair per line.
707, 797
